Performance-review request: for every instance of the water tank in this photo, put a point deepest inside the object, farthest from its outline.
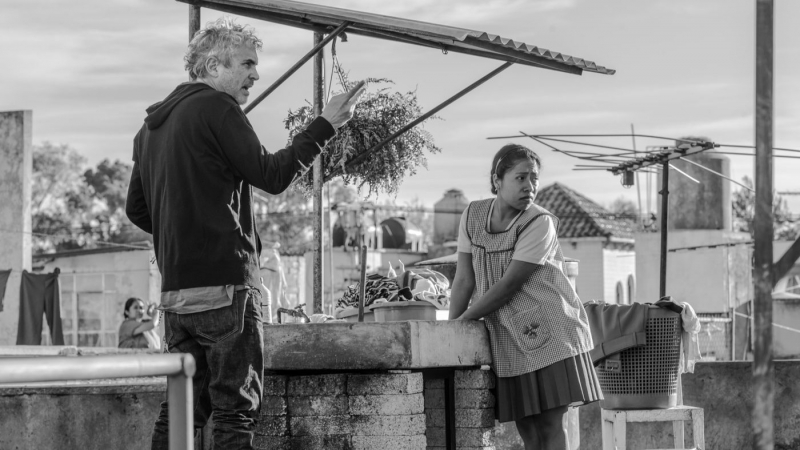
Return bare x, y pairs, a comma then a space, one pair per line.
400, 233
699, 206
447, 215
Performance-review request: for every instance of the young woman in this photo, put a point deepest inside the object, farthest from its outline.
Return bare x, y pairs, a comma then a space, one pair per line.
508, 254
135, 332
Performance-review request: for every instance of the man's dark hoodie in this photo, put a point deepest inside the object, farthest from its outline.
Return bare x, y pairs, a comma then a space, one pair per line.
195, 160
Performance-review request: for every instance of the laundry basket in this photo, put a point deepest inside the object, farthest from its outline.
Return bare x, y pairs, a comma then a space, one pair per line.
648, 375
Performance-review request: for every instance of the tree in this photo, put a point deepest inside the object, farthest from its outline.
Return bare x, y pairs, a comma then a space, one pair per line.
744, 203
624, 208
73, 208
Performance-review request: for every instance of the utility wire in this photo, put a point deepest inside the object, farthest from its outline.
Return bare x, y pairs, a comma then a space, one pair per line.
719, 174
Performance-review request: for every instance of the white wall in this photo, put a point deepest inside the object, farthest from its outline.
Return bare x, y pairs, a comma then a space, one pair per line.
708, 278
589, 253
618, 265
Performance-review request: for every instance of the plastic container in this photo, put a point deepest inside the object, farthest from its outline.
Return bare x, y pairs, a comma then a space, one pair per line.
648, 375
351, 315
399, 311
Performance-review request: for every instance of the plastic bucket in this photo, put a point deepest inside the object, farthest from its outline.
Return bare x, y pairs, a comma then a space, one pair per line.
399, 311
351, 315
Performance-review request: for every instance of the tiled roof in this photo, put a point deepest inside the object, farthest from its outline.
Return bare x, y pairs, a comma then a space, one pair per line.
580, 217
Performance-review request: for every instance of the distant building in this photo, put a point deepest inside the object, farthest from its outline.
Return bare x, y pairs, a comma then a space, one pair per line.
602, 243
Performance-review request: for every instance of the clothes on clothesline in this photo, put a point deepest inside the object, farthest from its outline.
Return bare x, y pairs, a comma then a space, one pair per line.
4, 274
40, 294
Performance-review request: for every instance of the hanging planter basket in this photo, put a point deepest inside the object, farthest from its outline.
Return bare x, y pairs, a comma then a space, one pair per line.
377, 115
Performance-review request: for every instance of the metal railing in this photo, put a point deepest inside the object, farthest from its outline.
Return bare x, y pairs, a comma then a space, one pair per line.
177, 367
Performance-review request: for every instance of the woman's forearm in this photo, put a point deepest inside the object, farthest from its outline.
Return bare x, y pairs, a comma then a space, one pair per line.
495, 298
501, 292
459, 297
463, 285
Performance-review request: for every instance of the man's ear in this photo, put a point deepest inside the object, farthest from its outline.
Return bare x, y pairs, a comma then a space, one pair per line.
212, 66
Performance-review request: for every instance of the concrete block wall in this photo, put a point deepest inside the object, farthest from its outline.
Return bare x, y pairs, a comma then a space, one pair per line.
342, 411
475, 421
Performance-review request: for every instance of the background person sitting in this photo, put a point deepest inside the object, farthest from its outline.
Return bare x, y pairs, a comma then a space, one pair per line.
136, 331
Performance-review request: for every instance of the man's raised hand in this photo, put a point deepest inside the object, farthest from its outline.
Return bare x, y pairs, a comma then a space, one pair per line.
340, 107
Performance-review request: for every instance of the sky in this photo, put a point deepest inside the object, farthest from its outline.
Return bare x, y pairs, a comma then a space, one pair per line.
89, 68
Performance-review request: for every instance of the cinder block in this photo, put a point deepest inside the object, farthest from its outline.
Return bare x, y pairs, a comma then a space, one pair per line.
274, 385
434, 398
474, 418
318, 405
408, 425
387, 405
475, 437
435, 417
271, 442
434, 383
273, 405
272, 426
460, 448
384, 383
319, 426
475, 379
389, 442
338, 442
435, 437
465, 418
465, 437
308, 385
474, 399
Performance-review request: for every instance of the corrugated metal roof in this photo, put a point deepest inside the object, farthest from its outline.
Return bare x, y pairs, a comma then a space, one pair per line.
581, 217
446, 38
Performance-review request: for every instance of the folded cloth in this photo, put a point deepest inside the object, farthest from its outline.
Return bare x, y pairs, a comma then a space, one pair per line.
689, 339
615, 327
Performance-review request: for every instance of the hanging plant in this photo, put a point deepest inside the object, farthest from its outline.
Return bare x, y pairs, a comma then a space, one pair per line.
377, 115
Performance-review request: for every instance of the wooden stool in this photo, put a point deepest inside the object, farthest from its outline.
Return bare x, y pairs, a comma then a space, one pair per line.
615, 420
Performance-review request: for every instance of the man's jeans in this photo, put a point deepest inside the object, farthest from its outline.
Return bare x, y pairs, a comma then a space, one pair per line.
227, 346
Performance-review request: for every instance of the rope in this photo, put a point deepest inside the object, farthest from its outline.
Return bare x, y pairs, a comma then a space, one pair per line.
784, 327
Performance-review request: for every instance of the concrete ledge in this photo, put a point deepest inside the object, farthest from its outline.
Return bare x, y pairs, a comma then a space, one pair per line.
382, 346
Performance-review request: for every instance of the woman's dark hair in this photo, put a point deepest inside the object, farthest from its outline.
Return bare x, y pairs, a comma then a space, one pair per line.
509, 156
128, 304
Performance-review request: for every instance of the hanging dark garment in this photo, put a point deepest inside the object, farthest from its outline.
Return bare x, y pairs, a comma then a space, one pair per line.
39, 294
4, 274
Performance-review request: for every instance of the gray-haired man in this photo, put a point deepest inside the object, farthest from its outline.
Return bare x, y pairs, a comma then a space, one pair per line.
196, 159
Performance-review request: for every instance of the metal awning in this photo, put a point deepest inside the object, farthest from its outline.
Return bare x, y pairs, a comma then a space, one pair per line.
449, 39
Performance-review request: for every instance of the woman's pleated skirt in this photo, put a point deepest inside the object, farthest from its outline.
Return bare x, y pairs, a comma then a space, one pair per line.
569, 382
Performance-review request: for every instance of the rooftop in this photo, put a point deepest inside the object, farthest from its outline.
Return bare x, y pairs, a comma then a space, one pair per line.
581, 217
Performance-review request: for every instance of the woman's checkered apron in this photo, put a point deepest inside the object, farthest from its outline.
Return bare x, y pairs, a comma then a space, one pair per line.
544, 322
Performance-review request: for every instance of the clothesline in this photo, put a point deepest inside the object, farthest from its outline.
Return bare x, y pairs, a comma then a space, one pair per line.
784, 327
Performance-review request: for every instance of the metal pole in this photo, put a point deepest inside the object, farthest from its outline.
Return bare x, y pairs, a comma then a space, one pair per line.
181, 412
638, 185
330, 252
763, 370
361, 157
313, 52
362, 285
664, 215
319, 98
194, 20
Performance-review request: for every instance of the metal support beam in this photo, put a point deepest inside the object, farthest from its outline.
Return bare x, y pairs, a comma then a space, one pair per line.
319, 99
785, 264
362, 156
194, 20
763, 370
318, 46
662, 291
